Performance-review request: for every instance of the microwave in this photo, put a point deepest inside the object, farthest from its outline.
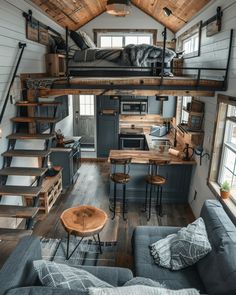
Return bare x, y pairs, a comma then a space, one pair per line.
136, 107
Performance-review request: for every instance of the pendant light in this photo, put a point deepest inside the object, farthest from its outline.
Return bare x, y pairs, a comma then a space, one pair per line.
118, 7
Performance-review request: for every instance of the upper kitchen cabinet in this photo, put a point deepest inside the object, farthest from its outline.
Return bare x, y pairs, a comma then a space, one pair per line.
166, 108
107, 102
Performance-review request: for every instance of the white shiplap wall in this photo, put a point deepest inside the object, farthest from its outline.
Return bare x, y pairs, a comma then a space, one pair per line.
12, 31
214, 52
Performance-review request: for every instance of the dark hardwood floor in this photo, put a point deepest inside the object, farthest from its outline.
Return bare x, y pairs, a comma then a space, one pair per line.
92, 187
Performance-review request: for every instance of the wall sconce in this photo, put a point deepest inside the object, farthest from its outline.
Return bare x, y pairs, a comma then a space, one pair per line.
168, 12
200, 152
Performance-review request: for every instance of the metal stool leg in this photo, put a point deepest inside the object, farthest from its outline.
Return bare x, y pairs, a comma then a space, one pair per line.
146, 198
124, 199
99, 243
150, 203
114, 199
160, 208
158, 197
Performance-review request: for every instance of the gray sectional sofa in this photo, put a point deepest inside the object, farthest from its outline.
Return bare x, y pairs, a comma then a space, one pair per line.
215, 274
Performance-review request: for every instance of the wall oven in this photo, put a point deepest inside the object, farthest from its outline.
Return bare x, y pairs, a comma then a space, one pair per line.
136, 107
131, 142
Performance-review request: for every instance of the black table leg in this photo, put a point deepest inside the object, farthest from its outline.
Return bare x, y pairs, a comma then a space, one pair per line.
68, 243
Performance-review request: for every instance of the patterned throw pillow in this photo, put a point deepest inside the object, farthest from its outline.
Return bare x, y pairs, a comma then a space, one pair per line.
190, 245
141, 290
183, 249
53, 274
143, 281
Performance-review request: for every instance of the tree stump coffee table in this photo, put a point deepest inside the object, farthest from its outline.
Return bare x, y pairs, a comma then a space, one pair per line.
83, 221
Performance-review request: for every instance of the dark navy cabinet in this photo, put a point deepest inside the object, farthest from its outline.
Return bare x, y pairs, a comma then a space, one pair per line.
107, 125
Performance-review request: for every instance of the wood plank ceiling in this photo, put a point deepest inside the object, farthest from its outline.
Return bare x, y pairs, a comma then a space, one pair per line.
76, 13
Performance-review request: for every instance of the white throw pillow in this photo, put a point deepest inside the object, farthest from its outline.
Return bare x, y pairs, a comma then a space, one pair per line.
140, 290
89, 42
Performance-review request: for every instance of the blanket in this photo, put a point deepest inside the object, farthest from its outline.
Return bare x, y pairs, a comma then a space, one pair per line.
142, 55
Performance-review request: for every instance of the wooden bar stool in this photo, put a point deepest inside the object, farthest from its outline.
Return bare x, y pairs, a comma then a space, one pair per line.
119, 178
154, 180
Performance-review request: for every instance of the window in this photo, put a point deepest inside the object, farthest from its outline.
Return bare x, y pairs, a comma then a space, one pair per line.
86, 105
190, 44
113, 41
227, 169
189, 41
116, 38
185, 108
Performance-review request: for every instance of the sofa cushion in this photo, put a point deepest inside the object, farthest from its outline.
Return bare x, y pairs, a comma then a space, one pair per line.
220, 263
140, 290
44, 291
145, 266
53, 274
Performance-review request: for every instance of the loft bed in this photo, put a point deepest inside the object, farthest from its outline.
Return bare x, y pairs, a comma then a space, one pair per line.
118, 80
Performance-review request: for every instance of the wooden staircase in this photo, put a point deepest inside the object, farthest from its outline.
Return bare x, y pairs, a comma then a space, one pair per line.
25, 212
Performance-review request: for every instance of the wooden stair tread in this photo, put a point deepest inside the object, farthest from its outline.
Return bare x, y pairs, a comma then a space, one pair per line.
18, 211
30, 136
23, 171
25, 103
34, 119
9, 234
25, 153
16, 190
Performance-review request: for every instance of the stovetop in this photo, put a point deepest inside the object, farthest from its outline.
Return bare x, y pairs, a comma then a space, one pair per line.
131, 131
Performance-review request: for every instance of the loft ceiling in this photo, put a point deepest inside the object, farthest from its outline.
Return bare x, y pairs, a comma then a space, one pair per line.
76, 13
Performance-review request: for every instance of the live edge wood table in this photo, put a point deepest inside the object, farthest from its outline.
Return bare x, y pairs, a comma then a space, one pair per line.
83, 221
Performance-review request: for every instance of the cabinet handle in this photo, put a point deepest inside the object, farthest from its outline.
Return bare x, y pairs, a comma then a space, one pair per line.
108, 113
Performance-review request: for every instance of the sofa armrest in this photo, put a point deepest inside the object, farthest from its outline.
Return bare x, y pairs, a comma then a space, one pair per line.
116, 276
17, 270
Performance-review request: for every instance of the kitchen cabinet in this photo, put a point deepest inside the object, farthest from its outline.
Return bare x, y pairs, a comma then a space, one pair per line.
68, 157
107, 125
168, 109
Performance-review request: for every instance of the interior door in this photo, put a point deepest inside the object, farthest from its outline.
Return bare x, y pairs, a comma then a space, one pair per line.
84, 119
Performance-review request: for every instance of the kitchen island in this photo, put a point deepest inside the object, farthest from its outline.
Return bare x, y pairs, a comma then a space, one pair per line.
178, 174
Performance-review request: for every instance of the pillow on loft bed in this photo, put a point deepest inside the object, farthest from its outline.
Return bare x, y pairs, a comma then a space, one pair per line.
82, 40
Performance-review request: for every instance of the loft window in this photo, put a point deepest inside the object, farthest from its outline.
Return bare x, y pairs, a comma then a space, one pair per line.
190, 45
86, 105
189, 41
114, 38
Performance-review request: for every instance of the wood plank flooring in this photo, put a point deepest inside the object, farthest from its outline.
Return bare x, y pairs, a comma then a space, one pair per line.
92, 188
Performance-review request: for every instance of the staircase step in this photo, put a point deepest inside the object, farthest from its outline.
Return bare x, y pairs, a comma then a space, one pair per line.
34, 119
23, 171
25, 103
25, 153
9, 234
16, 190
18, 211
31, 136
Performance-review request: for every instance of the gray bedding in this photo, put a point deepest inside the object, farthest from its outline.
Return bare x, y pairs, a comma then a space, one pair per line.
131, 55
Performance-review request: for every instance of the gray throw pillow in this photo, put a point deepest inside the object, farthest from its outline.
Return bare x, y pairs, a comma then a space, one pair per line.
190, 245
53, 274
140, 290
143, 281
183, 249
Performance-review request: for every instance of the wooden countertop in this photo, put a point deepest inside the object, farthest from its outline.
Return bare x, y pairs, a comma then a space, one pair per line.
142, 157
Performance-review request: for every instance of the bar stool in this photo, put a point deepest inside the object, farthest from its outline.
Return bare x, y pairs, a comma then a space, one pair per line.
120, 178
154, 180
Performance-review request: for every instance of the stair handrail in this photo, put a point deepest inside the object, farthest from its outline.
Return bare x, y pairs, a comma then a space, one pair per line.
21, 48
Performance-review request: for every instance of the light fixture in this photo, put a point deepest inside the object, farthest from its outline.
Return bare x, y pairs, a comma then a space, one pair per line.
199, 152
118, 7
168, 12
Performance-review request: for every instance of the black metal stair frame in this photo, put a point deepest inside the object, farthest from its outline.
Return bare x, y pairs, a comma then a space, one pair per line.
32, 191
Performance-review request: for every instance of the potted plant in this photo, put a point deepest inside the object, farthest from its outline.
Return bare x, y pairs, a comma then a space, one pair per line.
225, 190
